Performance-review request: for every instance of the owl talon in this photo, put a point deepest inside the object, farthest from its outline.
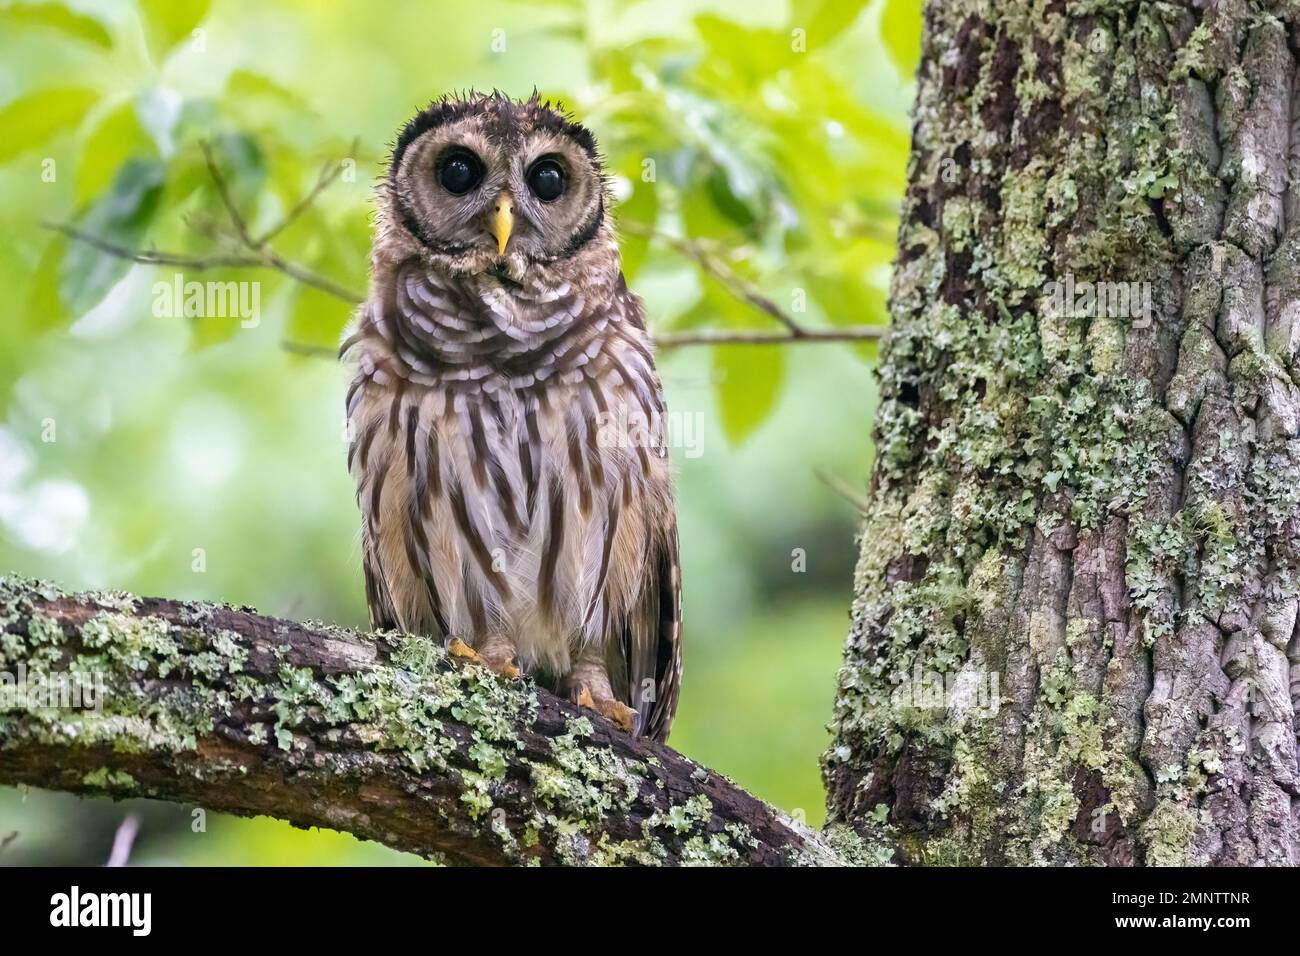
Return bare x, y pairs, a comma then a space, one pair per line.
509, 670
612, 710
458, 648
503, 668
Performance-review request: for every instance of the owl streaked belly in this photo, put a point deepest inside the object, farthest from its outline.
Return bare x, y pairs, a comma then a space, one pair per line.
526, 514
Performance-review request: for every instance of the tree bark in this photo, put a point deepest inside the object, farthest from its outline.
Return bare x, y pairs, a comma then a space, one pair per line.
383, 736
1074, 635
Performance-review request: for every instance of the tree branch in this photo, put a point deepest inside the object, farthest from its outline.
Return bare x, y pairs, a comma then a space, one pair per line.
265, 258
219, 181
740, 287
256, 251
152, 257
383, 736
258, 254
329, 172
848, 333
699, 253
672, 340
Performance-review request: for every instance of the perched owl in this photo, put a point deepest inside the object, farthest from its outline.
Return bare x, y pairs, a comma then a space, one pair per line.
507, 422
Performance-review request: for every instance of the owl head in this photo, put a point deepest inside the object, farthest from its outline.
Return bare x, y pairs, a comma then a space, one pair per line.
483, 183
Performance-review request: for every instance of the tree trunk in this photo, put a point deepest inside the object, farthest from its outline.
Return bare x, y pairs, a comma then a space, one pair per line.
1075, 616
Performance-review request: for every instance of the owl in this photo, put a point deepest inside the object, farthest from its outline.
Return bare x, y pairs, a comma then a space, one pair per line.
507, 423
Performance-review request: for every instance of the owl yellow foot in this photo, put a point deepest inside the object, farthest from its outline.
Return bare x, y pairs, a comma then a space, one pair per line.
458, 648
509, 670
608, 708
505, 668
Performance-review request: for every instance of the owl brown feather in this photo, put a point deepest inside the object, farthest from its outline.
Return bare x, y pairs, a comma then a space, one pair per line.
508, 422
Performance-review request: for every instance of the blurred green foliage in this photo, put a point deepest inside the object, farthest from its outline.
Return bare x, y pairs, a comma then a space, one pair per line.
195, 457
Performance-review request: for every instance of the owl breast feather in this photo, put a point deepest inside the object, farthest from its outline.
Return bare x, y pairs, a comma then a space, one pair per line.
510, 465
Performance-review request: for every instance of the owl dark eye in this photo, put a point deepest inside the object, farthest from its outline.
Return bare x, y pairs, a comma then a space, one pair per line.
546, 180
459, 172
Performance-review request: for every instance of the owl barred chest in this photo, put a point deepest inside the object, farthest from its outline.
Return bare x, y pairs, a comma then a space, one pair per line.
507, 420
508, 463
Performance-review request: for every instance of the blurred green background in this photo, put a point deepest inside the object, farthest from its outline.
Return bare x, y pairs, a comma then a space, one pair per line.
778, 136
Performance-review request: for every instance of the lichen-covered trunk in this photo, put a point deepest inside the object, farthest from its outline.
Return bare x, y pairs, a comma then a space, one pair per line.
1075, 621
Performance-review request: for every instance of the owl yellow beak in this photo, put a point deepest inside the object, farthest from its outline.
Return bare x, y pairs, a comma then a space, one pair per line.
504, 220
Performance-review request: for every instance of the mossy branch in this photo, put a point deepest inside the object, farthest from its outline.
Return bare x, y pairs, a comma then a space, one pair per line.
379, 735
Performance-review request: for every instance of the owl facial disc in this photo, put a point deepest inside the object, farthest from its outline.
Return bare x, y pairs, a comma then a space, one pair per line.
485, 184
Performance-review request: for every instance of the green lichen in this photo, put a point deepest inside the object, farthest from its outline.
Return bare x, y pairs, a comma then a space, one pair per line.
1064, 735
1171, 828
108, 780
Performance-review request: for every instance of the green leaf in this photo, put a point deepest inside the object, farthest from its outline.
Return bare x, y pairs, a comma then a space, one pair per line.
700, 315
826, 19
642, 207
748, 382
245, 84
168, 22
848, 299
900, 28
317, 319
702, 219
29, 121
115, 139
44, 307
57, 17
243, 166
727, 202
121, 216
741, 57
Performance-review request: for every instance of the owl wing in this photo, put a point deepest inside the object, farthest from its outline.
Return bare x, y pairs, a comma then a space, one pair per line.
651, 645
383, 617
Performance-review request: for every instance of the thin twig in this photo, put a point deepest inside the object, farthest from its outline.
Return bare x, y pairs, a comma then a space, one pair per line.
308, 277
307, 350
258, 254
265, 259
745, 290
329, 172
219, 181
123, 841
738, 286
261, 249
674, 340
844, 490
847, 333
152, 257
